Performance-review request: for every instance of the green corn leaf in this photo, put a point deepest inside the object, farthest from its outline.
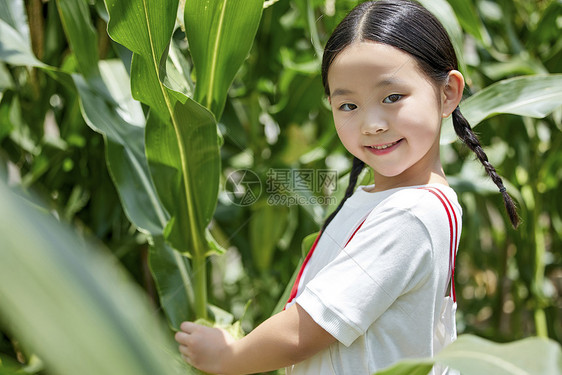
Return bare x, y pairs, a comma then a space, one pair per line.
533, 96
76, 20
73, 305
306, 245
108, 107
472, 355
267, 224
194, 154
181, 140
9, 368
445, 14
14, 14
123, 128
15, 48
145, 27
220, 35
15, 43
408, 367
171, 272
467, 16
8, 110
182, 144
6, 81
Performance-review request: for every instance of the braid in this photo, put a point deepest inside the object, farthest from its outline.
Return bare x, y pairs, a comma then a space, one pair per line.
465, 133
356, 169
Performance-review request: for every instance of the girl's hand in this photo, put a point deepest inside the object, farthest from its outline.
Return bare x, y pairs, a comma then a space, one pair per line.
282, 340
204, 347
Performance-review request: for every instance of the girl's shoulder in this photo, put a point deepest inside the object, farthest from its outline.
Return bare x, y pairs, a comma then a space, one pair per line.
421, 197
433, 203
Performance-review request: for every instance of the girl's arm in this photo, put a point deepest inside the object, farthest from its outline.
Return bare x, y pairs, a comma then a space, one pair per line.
282, 340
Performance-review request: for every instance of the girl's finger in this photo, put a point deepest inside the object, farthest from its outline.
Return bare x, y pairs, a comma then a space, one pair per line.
184, 350
181, 337
187, 327
186, 358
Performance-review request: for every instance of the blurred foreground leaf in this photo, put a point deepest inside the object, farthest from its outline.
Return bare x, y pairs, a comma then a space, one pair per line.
472, 355
73, 306
408, 367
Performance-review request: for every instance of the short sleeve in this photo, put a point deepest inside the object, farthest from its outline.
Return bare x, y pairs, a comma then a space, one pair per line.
389, 256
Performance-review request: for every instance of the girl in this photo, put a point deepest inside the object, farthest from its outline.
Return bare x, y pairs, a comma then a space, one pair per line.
372, 292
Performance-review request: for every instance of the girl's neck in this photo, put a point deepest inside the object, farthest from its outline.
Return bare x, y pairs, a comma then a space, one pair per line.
434, 175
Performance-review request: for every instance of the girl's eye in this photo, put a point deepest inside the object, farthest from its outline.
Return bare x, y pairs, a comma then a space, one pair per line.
392, 98
347, 107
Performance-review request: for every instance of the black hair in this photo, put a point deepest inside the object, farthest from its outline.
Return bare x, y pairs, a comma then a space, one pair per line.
408, 26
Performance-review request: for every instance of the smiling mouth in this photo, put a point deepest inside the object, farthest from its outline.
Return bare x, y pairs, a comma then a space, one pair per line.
385, 146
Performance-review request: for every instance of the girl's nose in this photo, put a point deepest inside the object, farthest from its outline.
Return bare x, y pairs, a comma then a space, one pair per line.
374, 124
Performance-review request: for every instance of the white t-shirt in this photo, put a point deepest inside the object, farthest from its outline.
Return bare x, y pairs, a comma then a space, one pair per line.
381, 294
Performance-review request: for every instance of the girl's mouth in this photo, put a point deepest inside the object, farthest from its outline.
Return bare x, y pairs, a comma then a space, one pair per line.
384, 148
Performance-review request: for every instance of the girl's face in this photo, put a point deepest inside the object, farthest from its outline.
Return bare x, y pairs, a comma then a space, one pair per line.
387, 113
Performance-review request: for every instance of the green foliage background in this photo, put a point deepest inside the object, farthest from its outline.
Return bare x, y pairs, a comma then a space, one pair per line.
275, 119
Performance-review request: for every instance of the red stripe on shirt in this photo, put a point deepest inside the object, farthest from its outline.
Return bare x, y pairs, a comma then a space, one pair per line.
295, 288
453, 233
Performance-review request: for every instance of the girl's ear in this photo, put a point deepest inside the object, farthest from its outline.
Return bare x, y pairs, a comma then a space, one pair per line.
452, 92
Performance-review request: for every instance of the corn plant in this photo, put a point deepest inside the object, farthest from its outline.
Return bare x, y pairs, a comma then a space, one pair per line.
182, 140
165, 165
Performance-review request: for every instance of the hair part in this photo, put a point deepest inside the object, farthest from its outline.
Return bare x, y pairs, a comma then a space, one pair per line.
408, 26
402, 24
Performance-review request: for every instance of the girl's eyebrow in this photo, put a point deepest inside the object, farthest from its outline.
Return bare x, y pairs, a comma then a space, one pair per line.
337, 92
382, 83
